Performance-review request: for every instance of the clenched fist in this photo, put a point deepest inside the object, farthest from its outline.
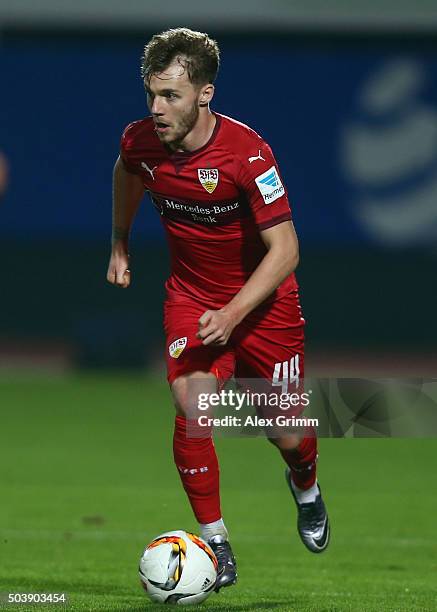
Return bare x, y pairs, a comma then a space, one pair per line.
118, 269
215, 327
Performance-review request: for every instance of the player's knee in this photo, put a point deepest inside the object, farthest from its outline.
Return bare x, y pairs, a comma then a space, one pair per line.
187, 389
288, 442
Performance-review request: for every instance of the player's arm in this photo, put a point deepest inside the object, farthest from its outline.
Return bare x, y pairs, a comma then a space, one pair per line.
279, 262
128, 190
258, 177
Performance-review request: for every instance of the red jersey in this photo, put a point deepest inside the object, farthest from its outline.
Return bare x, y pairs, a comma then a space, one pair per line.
213, 203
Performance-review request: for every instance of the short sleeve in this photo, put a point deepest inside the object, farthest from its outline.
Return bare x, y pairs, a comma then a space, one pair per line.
127, 151
261, 182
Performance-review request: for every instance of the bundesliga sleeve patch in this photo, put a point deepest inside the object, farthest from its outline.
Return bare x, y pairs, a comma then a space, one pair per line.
270, 185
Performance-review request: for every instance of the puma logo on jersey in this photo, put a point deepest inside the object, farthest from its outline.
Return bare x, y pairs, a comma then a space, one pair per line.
259, 156
151, 170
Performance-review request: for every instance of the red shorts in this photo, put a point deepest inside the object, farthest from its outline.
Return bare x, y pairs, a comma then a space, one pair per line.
267, 344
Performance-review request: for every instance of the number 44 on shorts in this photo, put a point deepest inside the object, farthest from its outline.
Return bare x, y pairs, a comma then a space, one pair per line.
285, 373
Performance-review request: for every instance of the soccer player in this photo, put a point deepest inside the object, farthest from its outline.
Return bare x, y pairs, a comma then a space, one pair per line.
232, 305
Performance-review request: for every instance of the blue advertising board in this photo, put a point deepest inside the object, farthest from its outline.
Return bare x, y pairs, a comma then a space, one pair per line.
354, 131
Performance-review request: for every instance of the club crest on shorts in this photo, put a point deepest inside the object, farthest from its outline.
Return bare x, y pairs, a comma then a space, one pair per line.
176, 347
208, 178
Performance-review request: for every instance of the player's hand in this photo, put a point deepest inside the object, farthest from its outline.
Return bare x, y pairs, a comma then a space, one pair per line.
215, 327
118, 269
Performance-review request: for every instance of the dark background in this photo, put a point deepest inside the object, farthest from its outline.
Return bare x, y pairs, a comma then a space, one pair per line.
365, 286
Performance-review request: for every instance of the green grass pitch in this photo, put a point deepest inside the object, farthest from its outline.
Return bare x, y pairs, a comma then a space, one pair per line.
87, 479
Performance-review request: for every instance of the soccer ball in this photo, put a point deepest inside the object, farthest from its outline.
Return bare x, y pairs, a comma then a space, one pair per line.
178, 567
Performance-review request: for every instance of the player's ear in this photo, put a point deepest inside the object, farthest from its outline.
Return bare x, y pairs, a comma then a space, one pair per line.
206, 94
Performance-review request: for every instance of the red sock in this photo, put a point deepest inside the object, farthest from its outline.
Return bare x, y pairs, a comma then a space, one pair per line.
196, 461
302, 462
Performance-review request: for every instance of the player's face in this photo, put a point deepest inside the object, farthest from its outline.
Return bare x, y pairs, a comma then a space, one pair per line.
174, 103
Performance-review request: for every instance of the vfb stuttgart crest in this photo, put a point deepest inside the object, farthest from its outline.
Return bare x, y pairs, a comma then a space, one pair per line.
208, 178
176, 347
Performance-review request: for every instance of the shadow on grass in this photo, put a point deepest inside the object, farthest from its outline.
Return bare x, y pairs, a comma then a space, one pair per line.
70, 588
123, 599
284, 604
